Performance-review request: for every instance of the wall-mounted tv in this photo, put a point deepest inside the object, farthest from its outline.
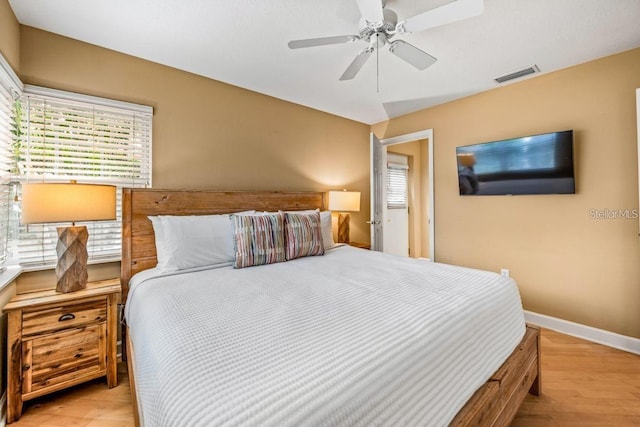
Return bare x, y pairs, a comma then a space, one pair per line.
537, 164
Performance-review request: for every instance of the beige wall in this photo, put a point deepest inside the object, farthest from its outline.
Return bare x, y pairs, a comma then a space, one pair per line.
9, 36
209, 134
567, 264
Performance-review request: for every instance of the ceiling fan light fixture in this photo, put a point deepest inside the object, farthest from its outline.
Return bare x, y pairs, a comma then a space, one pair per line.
379, 25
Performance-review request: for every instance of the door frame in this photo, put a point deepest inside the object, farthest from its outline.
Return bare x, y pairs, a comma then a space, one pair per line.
428, 135
638, 126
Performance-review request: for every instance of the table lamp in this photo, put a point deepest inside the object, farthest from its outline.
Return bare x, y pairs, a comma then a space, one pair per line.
343, 202
69, 202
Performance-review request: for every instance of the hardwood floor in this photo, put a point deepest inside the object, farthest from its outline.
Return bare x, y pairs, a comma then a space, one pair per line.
583, 384
91, 404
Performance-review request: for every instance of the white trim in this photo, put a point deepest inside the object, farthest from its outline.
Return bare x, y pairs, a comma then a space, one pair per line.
423, 134
600, 336
9, 274
3, 408
638, 146
78, 97
13, 79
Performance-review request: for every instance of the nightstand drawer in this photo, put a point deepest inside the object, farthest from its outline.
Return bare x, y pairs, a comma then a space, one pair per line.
63, 317
63, 356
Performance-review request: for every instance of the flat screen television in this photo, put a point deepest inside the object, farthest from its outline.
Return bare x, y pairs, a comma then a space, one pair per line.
536, 164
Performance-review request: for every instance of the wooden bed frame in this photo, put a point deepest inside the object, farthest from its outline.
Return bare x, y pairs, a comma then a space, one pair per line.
494, 404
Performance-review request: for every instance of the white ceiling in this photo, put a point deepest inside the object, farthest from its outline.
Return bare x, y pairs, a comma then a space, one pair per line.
244, 43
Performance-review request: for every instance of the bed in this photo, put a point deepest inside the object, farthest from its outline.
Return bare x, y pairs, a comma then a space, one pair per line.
321, 342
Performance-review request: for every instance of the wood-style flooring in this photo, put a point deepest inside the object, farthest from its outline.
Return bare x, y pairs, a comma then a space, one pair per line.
583, 384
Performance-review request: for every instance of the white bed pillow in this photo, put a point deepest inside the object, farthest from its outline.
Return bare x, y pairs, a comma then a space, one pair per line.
161, 249
327, 233
193, 240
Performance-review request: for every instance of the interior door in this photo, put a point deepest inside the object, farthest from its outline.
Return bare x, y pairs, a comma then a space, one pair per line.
378, 189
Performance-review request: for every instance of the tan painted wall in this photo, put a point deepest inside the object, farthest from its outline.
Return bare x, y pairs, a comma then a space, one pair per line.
208, 134
566, 263
9, 36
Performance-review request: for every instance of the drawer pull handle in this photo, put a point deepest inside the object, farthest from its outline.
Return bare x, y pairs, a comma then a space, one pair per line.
68, 316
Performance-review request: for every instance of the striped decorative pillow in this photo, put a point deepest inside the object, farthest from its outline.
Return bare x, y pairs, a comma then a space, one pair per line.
258, 239
303, 235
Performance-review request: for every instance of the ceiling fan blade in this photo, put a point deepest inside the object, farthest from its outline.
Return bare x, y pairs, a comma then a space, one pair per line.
411, 54
450, 12
322, 41
356, 64
371, 10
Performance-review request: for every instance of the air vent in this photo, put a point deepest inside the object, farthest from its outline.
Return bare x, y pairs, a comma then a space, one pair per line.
516, 75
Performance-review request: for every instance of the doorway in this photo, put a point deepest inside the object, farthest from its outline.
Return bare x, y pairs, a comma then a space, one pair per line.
422, 221
398, 228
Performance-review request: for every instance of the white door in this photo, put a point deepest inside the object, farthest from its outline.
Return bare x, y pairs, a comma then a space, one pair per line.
396, 206
378, 180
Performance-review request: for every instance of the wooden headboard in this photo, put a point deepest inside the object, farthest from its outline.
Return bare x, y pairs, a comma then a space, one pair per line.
138, 240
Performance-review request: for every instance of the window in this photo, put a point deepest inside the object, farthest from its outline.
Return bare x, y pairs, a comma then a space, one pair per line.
397, 177
10, 87
66, 137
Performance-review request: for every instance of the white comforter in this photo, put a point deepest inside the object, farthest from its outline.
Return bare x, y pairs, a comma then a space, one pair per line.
353, 337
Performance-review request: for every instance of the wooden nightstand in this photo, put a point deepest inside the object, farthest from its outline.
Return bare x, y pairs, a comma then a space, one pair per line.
360, 245
56, 341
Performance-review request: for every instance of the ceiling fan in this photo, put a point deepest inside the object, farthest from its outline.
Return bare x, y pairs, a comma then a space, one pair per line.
379, 26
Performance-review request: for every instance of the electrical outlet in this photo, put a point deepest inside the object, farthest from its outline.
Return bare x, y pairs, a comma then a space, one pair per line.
505, 272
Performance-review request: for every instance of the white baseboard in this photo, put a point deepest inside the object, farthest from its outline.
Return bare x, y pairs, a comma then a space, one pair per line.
600, 336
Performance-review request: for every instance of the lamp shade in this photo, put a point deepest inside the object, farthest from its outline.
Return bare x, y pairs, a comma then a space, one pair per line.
344, 201
68, 202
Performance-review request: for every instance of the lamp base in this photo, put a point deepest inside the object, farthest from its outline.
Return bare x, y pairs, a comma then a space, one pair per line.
343, 228
71, 270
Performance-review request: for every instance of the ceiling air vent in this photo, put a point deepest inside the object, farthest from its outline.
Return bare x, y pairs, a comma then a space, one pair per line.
518, 74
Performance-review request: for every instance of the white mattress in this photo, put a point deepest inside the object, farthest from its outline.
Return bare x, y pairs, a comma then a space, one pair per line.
353, 337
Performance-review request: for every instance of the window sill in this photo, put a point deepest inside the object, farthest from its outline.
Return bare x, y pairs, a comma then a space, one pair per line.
9, 275
51, 266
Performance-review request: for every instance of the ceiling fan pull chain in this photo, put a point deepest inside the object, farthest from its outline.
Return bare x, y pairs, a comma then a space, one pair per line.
377, 63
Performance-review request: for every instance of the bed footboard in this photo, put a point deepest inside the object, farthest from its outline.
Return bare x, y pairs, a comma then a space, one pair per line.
498, 400
132, 380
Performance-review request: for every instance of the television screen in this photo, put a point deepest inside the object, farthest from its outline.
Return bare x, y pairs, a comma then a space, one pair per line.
537, 164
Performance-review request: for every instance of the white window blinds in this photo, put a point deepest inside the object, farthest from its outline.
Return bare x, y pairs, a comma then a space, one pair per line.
10, 87
397, 183
92, 140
